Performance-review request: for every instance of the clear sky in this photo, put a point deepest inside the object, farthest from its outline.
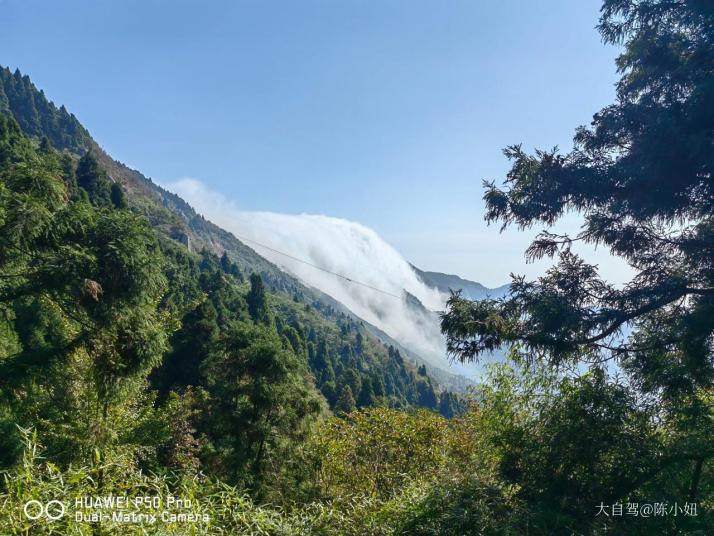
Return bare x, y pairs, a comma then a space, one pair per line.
385, 112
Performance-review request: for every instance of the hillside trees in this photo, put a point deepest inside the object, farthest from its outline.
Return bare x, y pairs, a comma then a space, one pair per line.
93, 179
122, 348
345, 401
39, 119
37, 116
117, 196
641, 179
80, 284
90, 309
257, 300
260, 403
230, 267
191, 345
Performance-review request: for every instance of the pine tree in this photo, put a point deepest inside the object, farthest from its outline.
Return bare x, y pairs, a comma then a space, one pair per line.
295, 341
426, 394
103, 268
230, 268
191, 347
4, 102
640, 179
225, 262
329, 391
260, 401
118, 197
366, 396
359, 343
378, 385
345, 402
347, 354
45, 145
258, 301
351, 378
449, 404
93, 179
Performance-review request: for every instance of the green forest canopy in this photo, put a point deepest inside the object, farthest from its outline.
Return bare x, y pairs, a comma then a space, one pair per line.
131, 363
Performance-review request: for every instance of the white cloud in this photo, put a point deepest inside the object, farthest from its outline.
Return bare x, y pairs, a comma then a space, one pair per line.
340, 246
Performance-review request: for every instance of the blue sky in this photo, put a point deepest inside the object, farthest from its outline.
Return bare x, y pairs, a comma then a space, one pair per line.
385, 112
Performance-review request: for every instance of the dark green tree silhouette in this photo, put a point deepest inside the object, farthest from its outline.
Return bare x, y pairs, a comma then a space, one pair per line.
230, 268
450, 405
191, 347
117, 196
351, 378
427, 396
366, 395
345, 402
45, 145
261, 404
93, 179
257, 300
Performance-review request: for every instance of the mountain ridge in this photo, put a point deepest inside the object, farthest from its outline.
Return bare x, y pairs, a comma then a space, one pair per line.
168, 213
452, 282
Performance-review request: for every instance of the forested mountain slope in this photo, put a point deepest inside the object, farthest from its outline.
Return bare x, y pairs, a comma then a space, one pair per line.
173, 218
135, 367
132, 329
117, 339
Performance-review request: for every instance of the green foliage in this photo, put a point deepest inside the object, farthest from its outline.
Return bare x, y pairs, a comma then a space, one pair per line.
191, 346
93, 180
346, 401
641, 179
464, 507
37, 116
260, 403
227, 510
230, 267
374, 453
117, 196
450, 405
427, 396
258, 300
147, 368
366, 396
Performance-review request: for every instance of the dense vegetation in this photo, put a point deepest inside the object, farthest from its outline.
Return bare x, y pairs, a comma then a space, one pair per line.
83, 274
120, 343
132, 363
37, 116
641, 179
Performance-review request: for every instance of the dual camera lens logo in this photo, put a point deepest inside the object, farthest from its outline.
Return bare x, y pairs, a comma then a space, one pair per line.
52, 510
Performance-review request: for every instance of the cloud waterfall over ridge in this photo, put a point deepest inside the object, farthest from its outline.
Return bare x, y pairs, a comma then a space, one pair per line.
343, 247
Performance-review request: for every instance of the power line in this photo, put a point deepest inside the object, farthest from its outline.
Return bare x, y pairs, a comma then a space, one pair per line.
303, 261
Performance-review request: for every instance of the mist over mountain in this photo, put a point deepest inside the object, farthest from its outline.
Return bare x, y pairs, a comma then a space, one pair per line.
340, 345
378, 284
397, 302
285, 373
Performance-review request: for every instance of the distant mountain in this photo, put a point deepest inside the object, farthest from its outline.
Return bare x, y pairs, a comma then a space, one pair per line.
474, 291
470, 289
